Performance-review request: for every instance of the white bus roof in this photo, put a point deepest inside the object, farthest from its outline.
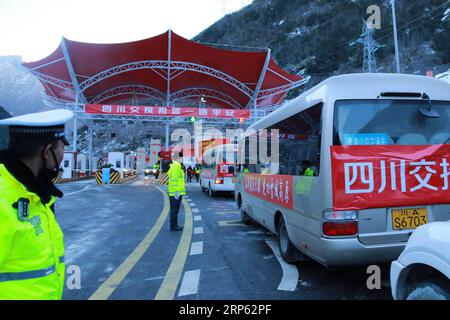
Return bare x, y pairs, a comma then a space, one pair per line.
356, 86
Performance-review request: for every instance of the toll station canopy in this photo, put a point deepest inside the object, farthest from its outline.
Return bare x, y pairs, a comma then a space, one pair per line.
165, 70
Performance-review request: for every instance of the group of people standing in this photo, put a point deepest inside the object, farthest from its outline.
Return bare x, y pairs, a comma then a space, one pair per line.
192, 172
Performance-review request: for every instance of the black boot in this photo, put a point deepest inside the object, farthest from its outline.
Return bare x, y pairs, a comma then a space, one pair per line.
176, 228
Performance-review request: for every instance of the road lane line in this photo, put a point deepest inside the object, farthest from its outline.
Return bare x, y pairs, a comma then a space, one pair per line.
195, 210
189, 285
198, 230
84, 189
196, 248
113, 281
197, 218
192, 204
290, 273
227, 212
231, 223
173, 275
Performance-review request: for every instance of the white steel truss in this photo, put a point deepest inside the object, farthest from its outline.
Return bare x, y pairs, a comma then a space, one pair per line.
128, 89
165, 65
273, 91
204, 92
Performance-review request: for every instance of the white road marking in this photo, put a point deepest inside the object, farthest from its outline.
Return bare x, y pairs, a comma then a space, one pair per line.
189, 285
188, 200
84, 189
198, 230
154, 278
195, 210
197, 218
290, 272
196, 248
192, 204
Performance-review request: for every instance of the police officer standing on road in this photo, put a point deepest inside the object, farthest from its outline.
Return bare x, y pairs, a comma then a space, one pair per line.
176, 190
31, 241
156, 168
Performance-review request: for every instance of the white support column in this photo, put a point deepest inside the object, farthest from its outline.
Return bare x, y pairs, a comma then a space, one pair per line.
91, 166
259, 84
75, 133
169, 54
167, 135
79, 94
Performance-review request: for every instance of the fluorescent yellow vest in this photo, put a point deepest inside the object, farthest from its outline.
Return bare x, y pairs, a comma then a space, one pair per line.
31, 251
309, 172
176, 179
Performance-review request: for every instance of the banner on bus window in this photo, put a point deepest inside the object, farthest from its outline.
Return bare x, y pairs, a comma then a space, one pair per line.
160, 111
273, 188
389, 176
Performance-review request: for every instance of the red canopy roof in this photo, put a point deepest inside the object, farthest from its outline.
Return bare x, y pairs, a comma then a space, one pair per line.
166, 69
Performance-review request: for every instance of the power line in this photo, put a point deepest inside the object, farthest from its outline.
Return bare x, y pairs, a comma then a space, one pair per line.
415, 20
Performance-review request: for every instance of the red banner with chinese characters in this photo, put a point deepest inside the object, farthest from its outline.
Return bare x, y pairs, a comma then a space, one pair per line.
389, 176
159, 111
270, 187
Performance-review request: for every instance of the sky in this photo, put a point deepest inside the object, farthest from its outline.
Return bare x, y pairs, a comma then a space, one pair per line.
33, 28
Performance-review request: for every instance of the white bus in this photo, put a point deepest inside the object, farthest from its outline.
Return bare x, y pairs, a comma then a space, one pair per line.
218, 169
364, 160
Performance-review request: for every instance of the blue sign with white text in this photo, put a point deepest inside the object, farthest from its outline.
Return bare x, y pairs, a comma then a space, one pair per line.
366, 139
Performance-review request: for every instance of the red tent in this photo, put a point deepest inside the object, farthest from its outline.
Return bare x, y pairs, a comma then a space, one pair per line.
166, 70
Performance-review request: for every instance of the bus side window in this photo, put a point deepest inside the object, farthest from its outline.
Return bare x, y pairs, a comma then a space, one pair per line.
300, 142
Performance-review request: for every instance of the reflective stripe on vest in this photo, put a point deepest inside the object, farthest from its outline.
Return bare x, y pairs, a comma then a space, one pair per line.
62, 259
13, 276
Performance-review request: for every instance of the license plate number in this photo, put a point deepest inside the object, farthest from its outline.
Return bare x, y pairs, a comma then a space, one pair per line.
409, 218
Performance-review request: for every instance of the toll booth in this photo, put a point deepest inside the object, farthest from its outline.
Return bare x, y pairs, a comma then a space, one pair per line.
140, 160
94, 165
117, 160
69, 164
81, 167
130, 162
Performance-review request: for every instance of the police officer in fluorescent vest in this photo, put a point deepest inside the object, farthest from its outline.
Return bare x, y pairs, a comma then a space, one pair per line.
176, 191
31, 241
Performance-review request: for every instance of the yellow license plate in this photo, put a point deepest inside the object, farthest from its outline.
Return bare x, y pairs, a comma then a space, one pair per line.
410, 218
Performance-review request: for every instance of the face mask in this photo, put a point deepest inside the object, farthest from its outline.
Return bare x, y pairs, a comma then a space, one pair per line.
50, 174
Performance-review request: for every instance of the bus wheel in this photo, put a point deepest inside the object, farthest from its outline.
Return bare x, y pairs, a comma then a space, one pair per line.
245, 218
211, 192
287, 249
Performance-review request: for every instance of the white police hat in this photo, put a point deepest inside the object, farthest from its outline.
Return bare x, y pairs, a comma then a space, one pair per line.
46, 124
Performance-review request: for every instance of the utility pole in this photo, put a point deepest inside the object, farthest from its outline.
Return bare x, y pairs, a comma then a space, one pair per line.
394, 24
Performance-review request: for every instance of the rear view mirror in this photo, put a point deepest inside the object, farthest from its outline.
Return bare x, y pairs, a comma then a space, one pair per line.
428, 110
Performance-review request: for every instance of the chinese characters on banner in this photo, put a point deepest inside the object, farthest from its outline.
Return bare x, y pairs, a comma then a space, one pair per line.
386, 176
274, 188
159, 111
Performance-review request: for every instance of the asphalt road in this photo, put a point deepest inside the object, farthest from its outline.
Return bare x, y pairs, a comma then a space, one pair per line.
118, 246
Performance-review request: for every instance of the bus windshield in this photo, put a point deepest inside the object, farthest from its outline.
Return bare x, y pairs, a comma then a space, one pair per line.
387, 122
